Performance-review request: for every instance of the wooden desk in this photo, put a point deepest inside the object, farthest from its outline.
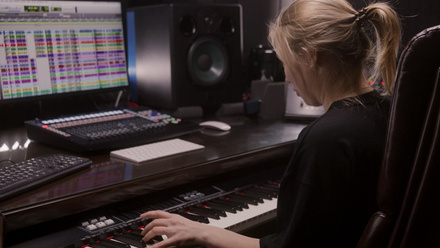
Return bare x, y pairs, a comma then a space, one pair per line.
251, 144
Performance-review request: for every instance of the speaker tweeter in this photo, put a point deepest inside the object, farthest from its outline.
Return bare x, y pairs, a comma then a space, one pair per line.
187, 26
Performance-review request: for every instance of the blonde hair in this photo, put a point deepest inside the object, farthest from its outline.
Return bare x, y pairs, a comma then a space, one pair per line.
341, 36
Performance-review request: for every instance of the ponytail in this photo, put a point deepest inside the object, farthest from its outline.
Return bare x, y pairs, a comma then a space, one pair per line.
387, 26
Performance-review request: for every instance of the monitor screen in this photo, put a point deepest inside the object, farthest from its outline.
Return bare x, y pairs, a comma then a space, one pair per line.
60, 47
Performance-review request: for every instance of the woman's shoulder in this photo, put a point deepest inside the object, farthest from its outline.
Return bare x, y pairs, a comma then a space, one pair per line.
359, 119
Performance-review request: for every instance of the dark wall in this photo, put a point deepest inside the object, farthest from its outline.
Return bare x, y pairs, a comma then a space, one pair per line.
416, 15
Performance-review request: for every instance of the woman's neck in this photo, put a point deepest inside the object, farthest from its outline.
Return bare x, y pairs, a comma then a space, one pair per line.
362, 89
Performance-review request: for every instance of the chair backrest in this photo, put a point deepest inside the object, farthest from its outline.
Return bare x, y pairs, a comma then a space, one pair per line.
409, 181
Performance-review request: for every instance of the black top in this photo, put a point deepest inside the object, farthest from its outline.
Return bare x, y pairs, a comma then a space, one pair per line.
328, 191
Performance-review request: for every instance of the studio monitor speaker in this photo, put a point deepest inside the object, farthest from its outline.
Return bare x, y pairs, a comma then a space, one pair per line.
186, 54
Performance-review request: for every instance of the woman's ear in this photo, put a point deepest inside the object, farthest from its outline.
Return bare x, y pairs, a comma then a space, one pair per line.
316, 59
312, 60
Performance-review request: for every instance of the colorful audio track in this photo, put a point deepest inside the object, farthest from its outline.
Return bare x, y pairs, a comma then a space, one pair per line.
60, 58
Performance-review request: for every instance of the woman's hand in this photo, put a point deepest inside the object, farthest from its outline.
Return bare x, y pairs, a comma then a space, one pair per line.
179, 230
182, 232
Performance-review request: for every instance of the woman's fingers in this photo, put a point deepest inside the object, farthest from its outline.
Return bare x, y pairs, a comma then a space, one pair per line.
163, 223
163, 244
177, 229
155, 214
155, 231
155, 222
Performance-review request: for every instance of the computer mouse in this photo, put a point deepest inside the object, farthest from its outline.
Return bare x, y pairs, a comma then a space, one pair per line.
216, 125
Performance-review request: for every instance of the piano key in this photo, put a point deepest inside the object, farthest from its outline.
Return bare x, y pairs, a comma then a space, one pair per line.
233, 211
99, 246
219, 212
247, 199
133, 240
108, 244
213, 214
268, 187
245, 215
273, 185
227, 202
198, 218
222, 207
136, 232
258, 195
242, 203
101, 243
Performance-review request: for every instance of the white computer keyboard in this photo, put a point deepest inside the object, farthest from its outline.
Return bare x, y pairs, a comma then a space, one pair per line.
142, 153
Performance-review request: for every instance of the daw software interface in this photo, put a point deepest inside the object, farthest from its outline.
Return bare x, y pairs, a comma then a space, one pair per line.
53, 47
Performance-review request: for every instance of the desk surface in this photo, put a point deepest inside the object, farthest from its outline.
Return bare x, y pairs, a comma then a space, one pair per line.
250, 142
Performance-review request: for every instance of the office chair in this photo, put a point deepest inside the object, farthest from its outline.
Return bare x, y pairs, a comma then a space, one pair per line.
409, 181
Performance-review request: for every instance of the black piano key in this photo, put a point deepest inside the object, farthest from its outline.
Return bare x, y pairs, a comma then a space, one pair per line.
239, 204
135, 235
274, 184
242, 199
155, 238
111, 244
137, 232
269, 187
133, 240
95, 245
198, 218
266, 187
210, 213
260, 194
220, 212
272, 192
108, 244
222, 207
158, 238
250, 199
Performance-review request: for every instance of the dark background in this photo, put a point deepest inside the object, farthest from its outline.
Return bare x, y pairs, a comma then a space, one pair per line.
416, 16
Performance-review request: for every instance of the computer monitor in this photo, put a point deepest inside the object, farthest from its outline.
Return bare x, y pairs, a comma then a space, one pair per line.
60, 48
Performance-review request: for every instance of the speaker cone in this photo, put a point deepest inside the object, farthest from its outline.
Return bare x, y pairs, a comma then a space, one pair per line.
208, 62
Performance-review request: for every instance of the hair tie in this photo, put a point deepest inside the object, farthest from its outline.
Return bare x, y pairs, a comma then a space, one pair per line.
361, 16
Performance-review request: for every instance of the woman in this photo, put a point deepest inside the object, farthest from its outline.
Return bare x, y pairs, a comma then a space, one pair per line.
328, 191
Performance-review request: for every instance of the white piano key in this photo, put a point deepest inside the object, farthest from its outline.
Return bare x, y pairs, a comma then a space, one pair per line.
245, 215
